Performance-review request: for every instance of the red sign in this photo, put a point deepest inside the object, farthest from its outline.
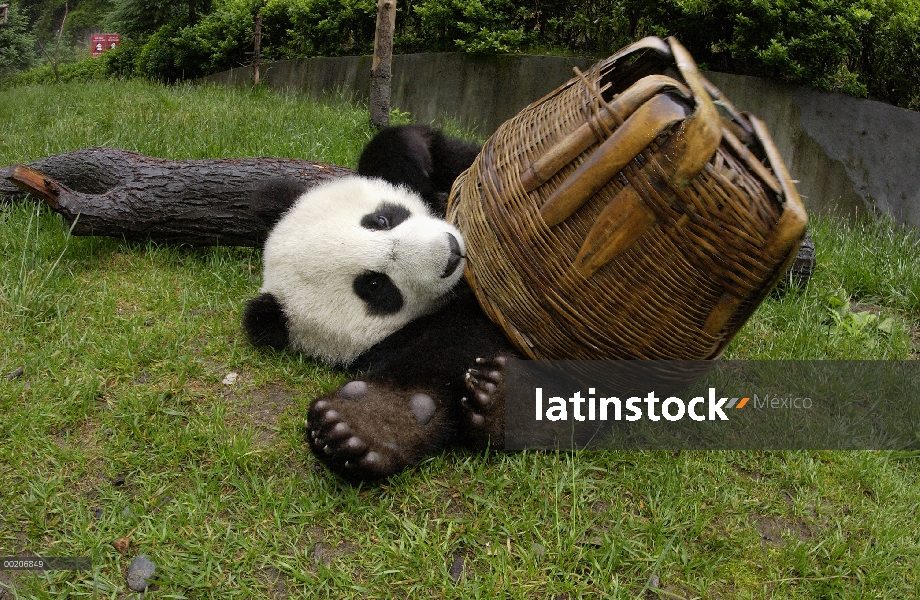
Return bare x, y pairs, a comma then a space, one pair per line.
101, 42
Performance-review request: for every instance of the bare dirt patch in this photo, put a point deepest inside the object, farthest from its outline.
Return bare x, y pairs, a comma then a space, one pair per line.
869, 308
771, 529
324, 552
262, 409
275, 582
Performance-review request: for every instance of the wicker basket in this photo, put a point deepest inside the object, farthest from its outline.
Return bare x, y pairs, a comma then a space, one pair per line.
623, 217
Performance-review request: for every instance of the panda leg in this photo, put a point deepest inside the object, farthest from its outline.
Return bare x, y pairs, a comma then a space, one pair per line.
370, 430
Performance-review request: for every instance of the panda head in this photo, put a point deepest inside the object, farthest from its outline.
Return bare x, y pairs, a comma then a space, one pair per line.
352, 262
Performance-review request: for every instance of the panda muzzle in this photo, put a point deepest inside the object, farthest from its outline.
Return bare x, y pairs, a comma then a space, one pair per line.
454, 258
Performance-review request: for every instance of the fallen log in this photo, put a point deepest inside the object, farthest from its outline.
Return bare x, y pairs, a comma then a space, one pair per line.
116, 193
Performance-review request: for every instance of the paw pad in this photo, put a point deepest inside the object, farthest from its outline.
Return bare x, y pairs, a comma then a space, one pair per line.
353, 390
422, 407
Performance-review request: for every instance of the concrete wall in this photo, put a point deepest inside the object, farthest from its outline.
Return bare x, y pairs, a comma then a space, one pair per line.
849, 156
482, 92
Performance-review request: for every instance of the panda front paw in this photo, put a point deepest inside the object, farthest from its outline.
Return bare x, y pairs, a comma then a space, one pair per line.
484, 403
367, 431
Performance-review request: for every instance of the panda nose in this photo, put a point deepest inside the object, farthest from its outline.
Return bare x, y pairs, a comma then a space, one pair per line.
454, 256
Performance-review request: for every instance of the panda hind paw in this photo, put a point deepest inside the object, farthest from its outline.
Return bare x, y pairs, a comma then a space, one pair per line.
343, 450
362, 433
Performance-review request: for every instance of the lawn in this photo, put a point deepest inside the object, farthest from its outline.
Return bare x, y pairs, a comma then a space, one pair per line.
132, 408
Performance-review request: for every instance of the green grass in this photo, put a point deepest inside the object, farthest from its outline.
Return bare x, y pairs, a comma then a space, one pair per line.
176, 122
121, 425
866, 273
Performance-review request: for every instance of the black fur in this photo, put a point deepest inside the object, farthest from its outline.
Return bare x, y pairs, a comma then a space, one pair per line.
379, 293
274, 197
387, 216
435, 351
264, 322
419, 157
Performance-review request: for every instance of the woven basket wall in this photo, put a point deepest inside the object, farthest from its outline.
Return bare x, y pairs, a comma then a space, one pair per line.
624, 216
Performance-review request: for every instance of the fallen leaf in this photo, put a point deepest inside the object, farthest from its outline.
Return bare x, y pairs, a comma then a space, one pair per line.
121, 544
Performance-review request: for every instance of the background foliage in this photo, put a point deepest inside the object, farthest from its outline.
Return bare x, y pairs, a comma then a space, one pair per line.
16, 44
866, 48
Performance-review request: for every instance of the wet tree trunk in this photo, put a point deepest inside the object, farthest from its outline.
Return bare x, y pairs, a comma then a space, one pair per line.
111, 192
257, 50
381, 71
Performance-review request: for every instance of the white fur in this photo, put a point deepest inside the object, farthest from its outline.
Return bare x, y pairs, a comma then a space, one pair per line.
316, 250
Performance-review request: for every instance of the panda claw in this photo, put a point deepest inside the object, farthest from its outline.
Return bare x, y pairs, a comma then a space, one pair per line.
491, 377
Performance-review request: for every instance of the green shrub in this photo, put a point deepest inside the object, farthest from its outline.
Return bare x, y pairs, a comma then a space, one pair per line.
890, 53
141, 18
88, 69
120, 62
220, 40
157, 57
338, 27
474, 25
281, 22
296, 28
866, 48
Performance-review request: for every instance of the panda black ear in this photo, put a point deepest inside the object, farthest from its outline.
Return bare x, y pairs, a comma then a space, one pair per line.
273, 197
449, 157
265, 323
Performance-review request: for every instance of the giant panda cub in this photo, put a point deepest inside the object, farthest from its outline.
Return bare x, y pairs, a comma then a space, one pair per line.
364, 273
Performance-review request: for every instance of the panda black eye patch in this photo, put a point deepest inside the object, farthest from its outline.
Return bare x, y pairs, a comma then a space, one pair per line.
386, 216
379, 293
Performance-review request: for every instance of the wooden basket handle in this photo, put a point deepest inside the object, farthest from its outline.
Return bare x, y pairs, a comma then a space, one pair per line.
628, 140
682, 156
651, 42
610, 115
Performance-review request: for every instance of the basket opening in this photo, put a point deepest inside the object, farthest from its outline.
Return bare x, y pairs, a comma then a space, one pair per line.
630, 69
